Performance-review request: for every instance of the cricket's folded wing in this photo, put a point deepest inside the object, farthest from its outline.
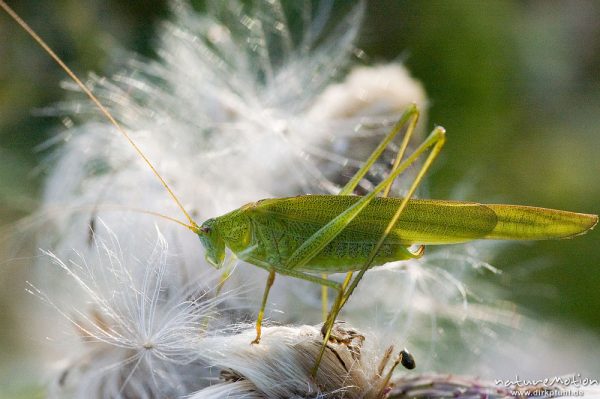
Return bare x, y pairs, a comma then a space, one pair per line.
517, 222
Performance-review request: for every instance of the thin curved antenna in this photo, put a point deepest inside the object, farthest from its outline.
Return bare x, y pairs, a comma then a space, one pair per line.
193, 225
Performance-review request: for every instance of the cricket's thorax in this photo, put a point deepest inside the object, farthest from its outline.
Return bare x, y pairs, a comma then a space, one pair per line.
235, 228
231, 230
269, 231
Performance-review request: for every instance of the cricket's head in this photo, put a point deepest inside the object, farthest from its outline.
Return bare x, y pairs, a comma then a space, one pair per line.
213, 243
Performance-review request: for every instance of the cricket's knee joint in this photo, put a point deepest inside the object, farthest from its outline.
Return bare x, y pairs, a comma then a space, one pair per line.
418, 253
440, 133
339, 288
413, 108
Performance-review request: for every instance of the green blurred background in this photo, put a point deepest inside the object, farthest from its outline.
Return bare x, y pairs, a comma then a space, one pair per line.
515, 83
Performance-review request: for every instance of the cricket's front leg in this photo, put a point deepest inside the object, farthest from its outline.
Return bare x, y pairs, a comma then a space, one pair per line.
261, 312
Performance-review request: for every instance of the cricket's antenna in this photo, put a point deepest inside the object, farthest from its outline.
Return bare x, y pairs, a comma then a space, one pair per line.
192, 226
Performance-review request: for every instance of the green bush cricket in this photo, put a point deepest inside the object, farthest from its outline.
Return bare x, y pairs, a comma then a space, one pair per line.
310, 234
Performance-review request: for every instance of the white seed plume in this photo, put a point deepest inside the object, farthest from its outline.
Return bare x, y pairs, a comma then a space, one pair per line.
280, 367
137, 328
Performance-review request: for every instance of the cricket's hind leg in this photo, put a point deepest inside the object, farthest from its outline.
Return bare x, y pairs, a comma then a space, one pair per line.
435, 141
408, 119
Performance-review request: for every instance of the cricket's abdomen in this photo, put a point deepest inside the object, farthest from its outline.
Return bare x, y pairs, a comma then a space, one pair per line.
344, 256
276, 241
281, 225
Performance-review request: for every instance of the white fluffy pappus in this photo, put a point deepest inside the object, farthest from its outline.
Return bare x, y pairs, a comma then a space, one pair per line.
280, 366
145, 335
137, 325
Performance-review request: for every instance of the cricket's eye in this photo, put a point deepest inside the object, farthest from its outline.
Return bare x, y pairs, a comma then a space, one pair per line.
205, 229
